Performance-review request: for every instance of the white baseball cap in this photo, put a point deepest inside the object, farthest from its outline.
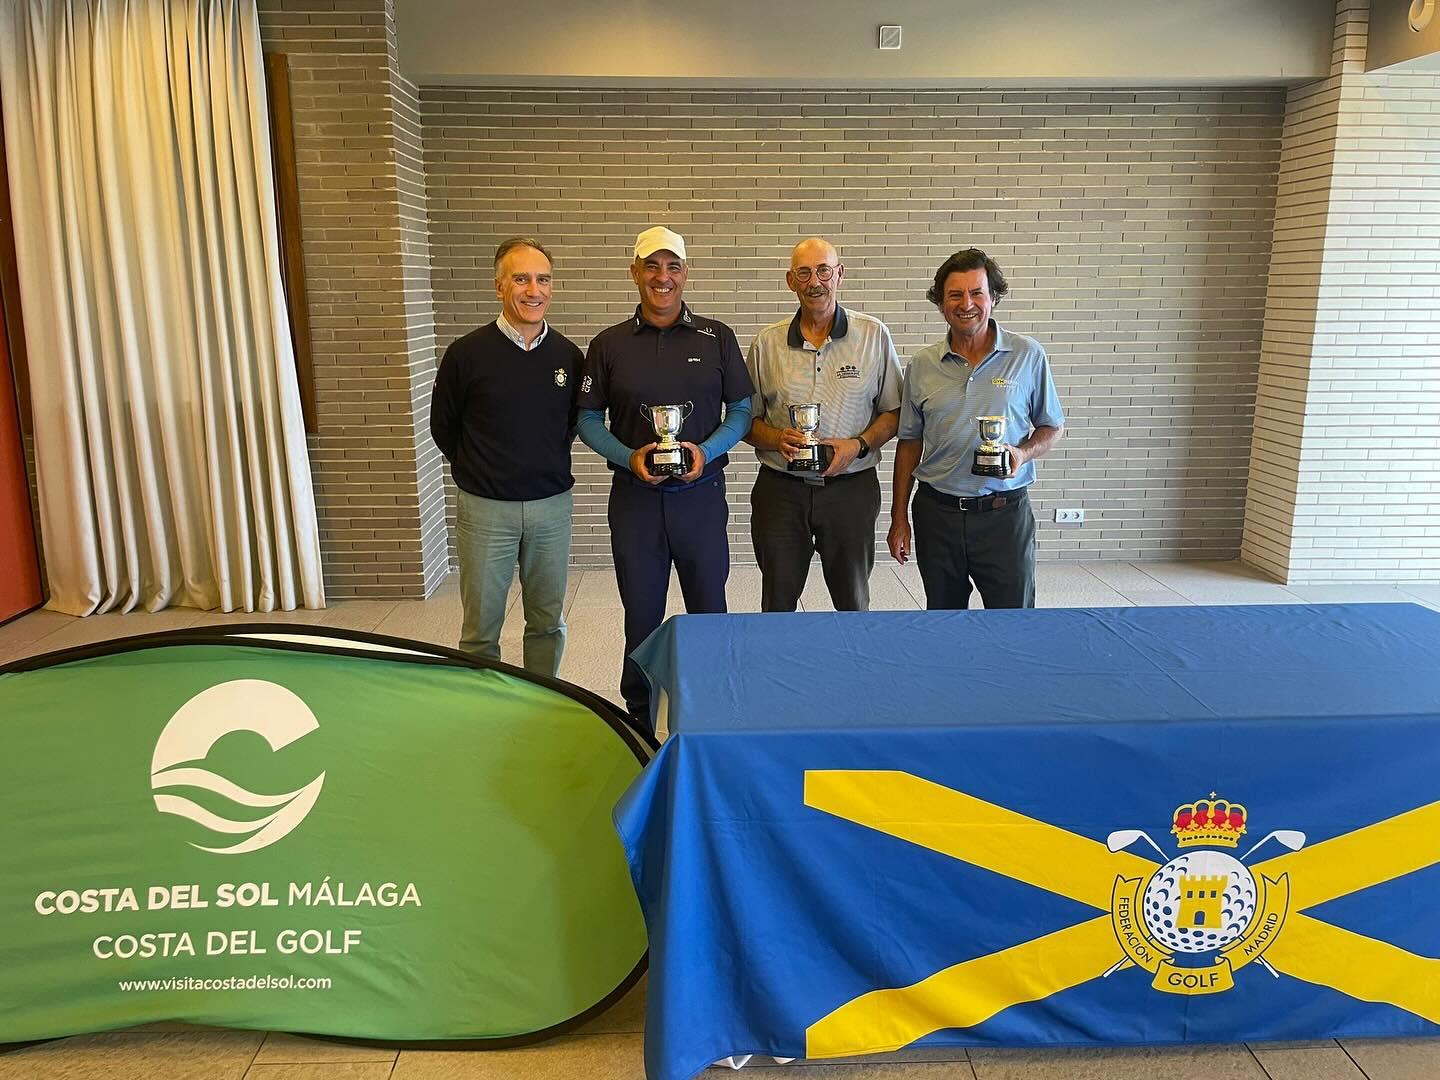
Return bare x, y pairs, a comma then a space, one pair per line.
659, 238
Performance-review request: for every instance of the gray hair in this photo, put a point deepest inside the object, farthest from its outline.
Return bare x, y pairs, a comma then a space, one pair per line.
507, 246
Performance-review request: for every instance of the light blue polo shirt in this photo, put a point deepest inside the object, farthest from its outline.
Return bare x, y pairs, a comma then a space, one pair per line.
943, 395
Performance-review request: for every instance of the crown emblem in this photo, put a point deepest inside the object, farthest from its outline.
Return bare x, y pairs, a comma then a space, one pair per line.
1212, 821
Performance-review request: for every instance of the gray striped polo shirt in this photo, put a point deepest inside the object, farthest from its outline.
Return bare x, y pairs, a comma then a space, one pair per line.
855, 376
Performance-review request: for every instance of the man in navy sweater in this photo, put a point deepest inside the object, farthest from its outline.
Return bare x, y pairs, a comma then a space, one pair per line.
503, 414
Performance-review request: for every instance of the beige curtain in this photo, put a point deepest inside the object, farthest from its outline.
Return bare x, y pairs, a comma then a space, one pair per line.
169, 442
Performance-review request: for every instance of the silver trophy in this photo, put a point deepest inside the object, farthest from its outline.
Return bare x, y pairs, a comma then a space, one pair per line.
991, 456
806, 420
668, 458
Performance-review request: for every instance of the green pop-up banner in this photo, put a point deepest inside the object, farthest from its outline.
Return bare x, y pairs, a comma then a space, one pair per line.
268, 827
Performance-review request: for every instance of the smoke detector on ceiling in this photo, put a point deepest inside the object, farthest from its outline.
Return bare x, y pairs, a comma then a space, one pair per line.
890, 36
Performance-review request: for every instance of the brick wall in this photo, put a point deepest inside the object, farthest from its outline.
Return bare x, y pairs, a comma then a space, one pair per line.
1346, 478
430, 469
1135, 227
1306, 173
377, 480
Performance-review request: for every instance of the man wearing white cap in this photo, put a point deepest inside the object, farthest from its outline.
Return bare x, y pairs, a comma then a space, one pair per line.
664, 355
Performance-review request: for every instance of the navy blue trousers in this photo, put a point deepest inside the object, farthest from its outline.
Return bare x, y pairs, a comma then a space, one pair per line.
651, 529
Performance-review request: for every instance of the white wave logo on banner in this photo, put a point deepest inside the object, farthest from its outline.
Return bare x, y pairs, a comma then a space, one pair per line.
274, 713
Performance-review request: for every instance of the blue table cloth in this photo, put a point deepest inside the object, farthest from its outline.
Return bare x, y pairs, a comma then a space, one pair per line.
1057, 827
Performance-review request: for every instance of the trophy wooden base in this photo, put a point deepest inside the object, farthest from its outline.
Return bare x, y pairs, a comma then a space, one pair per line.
994, 463
668, 461
813, 459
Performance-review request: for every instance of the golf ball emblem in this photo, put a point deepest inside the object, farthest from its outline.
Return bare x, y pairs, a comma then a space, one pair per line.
1203, 913
1199, 902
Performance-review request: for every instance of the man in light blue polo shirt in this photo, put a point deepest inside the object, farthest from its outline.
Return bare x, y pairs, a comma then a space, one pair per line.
971, 528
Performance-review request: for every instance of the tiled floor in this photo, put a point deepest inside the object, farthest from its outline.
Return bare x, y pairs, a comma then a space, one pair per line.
609, 1048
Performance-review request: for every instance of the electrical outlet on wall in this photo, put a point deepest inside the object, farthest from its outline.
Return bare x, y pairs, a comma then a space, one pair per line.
1071, 516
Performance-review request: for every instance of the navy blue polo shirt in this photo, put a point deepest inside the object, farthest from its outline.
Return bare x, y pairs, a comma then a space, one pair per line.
634, 363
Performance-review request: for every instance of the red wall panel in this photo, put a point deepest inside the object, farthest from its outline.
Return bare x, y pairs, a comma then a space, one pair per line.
19, 566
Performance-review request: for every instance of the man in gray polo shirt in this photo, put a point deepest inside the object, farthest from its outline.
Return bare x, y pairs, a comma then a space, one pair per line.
968, 527
846, 362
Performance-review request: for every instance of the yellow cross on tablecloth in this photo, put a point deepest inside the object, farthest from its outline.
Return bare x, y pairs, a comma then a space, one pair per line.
1026, 849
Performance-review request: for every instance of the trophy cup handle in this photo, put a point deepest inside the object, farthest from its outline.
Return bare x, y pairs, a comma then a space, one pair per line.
648, 414
686, 410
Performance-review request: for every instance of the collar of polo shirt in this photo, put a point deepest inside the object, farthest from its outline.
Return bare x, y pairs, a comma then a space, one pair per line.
685, 317
1002, 344
796, 339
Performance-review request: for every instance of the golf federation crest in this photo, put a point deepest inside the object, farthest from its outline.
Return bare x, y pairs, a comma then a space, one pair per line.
560, 379
1202, 914
1272, 920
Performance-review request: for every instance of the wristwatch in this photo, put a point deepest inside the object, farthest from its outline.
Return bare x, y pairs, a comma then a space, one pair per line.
864, 447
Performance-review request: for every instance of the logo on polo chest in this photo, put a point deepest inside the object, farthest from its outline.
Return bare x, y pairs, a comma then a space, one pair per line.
847, 371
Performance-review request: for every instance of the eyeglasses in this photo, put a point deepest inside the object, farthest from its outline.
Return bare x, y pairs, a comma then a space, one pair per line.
823, 272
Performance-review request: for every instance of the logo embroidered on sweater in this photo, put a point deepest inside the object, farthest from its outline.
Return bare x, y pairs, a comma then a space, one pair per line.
585, 385
560, 379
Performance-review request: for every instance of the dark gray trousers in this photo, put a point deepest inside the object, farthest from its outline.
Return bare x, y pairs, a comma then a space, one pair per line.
994, 548
791, 520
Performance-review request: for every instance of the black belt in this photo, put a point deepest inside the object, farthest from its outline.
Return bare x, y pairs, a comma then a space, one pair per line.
814, 479
977, 503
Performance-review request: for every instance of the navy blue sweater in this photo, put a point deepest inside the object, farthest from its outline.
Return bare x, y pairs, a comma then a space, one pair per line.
504, 418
